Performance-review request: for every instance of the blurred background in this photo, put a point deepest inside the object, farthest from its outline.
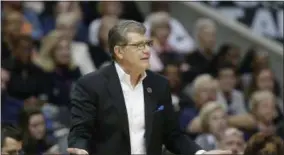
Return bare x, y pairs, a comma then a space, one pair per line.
224, 61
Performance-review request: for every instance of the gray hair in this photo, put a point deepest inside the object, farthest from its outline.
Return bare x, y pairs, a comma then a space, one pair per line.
201, 24
117, 34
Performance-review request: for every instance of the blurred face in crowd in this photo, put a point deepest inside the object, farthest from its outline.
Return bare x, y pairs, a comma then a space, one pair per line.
233, 56
13, 23
61, 53
112, 8
23, 50
207, 37
5, 77
172, 73
227, 79
68, 29
67, 7
217, 122
266, 109
232, 140
206, 93
107, 23
136, 52
11, 146
162, 33
261, 60
37, 126
265, 80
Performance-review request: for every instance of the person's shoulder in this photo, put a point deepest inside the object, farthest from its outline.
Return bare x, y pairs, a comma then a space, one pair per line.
156, 77
97, 77
91, 77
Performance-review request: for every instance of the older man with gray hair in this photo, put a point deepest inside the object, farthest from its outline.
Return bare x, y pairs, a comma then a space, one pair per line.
124, 108
200, 60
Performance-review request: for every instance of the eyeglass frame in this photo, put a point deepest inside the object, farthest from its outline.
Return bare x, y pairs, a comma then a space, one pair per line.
142, 44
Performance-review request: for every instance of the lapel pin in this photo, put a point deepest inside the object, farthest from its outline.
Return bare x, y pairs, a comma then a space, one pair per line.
149, 90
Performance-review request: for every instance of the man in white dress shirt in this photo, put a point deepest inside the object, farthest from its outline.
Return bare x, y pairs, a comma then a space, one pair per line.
123, 108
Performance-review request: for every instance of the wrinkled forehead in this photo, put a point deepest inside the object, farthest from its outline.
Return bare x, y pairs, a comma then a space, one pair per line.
136, 37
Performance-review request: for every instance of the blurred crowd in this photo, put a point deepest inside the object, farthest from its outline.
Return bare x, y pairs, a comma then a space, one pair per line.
221, 96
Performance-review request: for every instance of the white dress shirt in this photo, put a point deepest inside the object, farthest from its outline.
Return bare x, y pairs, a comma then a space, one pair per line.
134, 102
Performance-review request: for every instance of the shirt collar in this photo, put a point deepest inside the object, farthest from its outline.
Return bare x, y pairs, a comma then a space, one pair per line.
123, 76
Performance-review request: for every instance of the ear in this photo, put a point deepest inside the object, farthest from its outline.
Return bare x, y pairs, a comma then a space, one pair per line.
118, 53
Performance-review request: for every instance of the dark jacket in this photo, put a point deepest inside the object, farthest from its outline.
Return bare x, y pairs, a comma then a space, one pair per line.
99, 117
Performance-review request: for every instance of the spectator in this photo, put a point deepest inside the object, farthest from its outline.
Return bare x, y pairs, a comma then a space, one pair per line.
263, 110
178, 38
200, 60
49, 21
11, 140
161, 52
27, 80
10, 107
232, 139
35, 139
56, 59
12, 24
264, 79
204, 90
228, 96
66, 23
228, 53
213, 123
254, 60
263, 144
106, 8
31, 25
100, 53
179, 99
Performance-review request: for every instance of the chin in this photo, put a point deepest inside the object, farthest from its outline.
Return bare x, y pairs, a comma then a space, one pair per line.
146, 66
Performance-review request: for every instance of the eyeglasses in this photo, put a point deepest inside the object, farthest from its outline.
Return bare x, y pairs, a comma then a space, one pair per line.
141, 45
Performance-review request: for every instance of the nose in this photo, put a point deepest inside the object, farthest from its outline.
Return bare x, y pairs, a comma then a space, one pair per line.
146, 50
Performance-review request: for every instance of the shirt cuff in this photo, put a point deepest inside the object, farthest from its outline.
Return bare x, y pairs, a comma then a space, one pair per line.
200, 152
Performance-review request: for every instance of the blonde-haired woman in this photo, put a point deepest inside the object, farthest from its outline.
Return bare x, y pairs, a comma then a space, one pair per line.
263, 109
213, 123
204, 90
55, 59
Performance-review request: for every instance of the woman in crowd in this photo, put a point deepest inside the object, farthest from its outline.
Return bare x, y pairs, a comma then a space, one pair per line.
100, 53
173, 74
263, 110
204, 89
264, 79
263, 144
36, 140
213, 123
55, 58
